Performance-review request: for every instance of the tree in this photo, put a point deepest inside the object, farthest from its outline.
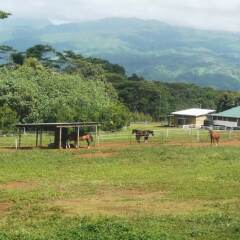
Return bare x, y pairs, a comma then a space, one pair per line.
18, 58
8, 118
135, 77
225, 102
39, 94
38, 51
4, 14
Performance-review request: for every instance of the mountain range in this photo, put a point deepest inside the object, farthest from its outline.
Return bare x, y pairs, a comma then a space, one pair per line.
149, 48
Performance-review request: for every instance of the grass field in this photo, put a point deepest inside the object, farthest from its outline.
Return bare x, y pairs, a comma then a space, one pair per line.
121, 191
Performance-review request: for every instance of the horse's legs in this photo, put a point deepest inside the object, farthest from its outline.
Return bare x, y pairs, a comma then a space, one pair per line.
67, 144
88, 143
138, 138
146, 139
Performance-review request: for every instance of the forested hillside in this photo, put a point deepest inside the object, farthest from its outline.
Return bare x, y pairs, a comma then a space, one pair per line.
151, 49
44, 85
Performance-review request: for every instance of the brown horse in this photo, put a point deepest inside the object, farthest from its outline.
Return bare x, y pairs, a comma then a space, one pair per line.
73, 137
214, 136
145, 134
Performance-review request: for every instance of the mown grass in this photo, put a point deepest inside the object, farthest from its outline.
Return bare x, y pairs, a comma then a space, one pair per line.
135, 192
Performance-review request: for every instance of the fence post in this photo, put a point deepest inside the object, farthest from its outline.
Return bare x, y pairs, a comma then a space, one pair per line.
16, 143
60, 138
167, 133
230, 135
98, 138
130, 138
78, 130
198, 136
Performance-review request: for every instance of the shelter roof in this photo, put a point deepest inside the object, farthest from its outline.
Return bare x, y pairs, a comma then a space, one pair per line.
194, 112
57, 125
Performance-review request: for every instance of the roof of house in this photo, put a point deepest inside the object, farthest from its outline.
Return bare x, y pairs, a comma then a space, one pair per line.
233, 113
194, 112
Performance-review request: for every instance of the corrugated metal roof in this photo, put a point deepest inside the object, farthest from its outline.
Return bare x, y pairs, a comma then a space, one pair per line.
233, 112
56, 125
194, 112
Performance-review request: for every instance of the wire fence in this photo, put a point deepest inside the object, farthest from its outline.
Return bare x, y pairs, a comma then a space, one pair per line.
168, 135
162, 135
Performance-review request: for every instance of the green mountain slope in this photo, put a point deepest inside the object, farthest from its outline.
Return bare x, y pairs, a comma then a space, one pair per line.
152, 49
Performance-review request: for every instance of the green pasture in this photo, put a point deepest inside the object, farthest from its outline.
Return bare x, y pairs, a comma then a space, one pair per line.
147, 191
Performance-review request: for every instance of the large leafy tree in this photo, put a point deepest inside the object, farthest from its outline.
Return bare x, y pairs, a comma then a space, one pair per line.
38, 94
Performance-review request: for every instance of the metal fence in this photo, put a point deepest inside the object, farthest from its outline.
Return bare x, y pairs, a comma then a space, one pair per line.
161, 135
168, 135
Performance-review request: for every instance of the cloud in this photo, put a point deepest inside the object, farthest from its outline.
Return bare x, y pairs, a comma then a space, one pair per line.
209, 14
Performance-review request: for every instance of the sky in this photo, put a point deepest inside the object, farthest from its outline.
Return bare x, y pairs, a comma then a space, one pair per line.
204, 14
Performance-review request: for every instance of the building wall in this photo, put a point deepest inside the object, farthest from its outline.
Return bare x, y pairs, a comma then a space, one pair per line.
200, 121
225, 123
189, 120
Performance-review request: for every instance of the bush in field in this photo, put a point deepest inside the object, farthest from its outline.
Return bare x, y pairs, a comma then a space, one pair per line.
38, 94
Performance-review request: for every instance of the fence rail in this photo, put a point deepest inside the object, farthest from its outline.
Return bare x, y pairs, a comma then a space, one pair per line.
164, 135
168, 135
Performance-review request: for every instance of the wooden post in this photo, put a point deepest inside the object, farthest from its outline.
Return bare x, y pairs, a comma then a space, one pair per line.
19, 138
167, 134
230, 134
96, 135
198, 135
78, 130
41, 133
37, 137
16, 143
60, 138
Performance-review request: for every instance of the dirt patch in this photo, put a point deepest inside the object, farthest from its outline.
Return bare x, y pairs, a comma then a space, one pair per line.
125, 145
96, 155
5, 149
4, 207
206, 144
17, 185
128, 202
133, 202
117, 145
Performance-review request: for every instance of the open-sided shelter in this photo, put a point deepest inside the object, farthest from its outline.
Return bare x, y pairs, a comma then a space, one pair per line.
59, 130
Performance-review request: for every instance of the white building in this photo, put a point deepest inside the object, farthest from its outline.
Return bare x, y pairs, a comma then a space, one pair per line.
193, 117
229, 118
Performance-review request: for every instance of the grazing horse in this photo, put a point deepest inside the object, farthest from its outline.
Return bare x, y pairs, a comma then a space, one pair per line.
73, 137
214, 136
145, 134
